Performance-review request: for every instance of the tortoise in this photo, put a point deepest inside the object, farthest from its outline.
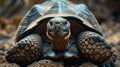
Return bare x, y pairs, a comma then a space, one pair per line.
61, 30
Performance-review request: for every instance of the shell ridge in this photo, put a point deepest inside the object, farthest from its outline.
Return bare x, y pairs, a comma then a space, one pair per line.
30, 16
42, 9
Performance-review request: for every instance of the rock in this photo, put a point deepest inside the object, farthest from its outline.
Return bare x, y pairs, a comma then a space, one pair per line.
87, 64
117, 63
2, 59
4, 36
1, 45
8, 44
3, 22
2, 53
43, 63
9, 65
115, 38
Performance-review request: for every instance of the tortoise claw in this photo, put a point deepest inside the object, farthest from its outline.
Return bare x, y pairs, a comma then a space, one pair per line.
99, 38
109, 62
108, 45
102, 39
68, 54
57, 55
51, 54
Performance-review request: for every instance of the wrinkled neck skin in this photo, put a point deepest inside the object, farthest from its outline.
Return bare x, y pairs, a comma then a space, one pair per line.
59, 43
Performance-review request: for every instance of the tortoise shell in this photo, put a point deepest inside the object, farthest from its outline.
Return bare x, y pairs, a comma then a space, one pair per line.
79, 16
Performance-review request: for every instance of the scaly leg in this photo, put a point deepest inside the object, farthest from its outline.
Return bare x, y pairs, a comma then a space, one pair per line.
94, 48
27, 50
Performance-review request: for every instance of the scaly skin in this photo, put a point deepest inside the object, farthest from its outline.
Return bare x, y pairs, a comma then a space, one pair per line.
94, 48
27, 50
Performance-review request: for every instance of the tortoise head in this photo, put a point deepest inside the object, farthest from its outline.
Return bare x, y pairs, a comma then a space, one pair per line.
58, 31
58, 27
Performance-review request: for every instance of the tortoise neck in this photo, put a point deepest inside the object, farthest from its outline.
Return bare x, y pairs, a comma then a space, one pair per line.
60, 44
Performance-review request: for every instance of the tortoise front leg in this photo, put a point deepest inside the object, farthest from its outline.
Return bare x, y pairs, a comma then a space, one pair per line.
27, 50
94, 48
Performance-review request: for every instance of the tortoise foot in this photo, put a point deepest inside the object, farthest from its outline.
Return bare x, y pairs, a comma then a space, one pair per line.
26, 51
94, 48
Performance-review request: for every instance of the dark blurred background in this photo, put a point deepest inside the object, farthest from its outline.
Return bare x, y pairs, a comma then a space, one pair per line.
107, 13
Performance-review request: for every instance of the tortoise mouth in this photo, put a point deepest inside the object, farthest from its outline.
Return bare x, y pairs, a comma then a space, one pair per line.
58, 34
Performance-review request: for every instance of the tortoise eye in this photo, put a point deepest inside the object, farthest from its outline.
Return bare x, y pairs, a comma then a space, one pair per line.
51, 23
65, 23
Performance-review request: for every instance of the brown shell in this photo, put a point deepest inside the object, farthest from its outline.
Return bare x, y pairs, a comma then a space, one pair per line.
79, 16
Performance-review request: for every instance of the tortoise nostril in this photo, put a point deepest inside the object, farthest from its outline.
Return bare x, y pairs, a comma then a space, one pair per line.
57, 22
